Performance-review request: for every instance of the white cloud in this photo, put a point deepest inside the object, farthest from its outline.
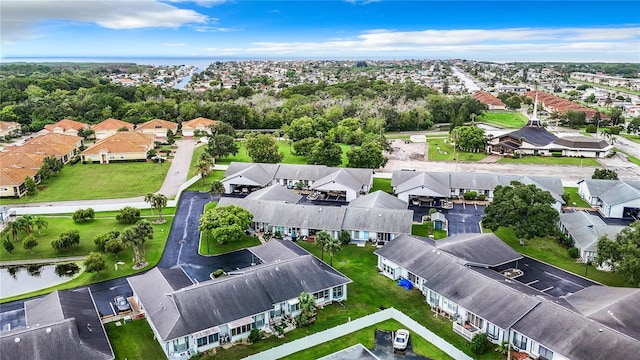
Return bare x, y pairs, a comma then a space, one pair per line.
20, 18
361, 2
205, 3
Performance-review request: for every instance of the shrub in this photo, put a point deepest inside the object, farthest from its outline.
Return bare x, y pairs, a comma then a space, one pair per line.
254, 335
556, 154
479, 343
128, 215
470, 195
345, 237
218, 273
67, 240
8, 245
574, 252
83, 215
482, 197
516, 155
565, 240
591, 129
614, 130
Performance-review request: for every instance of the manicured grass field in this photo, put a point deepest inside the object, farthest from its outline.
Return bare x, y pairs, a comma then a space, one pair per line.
88, 232
550, 251
133, 340
366, 338
426, 229
506, 120
634, 138
213, 248
439, 151
550, 160
199, 186
575, 198
95, 181
382, 184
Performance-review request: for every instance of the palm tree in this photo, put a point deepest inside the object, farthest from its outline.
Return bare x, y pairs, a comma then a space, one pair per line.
143, 231
322, 238
332, 247
203, 167
40, 222
217, 188
159, 202
14, 227
27, 223
307, 303
128, 237
148, 198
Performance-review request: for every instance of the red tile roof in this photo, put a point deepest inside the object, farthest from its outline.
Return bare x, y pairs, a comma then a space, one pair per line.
122, 142
486, 98
198, 122
66, 124
112, 124
158, 123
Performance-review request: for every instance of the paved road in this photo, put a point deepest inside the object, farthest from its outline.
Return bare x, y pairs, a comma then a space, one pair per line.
179, 170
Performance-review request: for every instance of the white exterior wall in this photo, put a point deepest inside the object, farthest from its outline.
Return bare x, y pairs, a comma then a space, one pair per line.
231, 184
583, 191
616, 211
389, 268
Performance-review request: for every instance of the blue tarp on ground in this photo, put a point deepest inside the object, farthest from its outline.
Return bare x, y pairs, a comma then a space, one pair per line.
405, 284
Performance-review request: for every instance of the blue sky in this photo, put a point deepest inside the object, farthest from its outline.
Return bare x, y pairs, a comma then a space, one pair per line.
332, 29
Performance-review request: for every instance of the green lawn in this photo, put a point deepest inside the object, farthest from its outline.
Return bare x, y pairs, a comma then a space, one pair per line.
439, 151
392, 136
634, 138
134, 340
550, 251
382, 184
574, 198
366, 338
199, 186
211, 247
550, 160
504, 119
631, 158
88, 231
95, 181
426, 229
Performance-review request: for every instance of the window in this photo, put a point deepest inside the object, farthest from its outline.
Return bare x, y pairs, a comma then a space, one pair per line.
475, 320
545, 354
181, 344
337, 292
322, 294
121, 157
207, 340
356, 234
241, 329
434, 298
388, 269
519, 341
112, 157
413, 278
294, 307
449, 306
259, 320
493, 331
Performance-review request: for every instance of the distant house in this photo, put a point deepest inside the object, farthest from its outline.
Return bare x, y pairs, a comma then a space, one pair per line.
475, 281
157, 127
110, 126
586, 230
121, 146
65, 126
187, 319
61, 325
492, 102
62, 147
9, 128
612, 198
201, 124
338, 184
16, 167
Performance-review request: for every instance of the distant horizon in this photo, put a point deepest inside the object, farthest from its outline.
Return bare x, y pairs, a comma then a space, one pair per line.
492, 31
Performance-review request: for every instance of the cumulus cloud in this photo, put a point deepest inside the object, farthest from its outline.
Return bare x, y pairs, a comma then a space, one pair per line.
21, 18
584, 41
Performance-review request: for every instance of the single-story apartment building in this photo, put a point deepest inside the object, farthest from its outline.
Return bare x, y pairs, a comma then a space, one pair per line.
63, 147
109, 127
157, 127
16, 167
65, 126
61, 325
187, 319
458, 278
586, 230
201, 124
612, 198
121, 146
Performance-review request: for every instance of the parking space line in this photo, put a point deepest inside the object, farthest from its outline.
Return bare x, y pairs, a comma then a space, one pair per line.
532, 282
113, 309
549, 288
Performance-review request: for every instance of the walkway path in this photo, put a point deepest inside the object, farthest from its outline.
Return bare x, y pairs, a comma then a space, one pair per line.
179, 170
355, 325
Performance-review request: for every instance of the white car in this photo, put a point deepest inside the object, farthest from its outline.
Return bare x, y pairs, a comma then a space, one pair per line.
401, 339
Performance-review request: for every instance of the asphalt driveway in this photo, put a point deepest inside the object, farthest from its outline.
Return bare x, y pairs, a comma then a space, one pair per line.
462, 218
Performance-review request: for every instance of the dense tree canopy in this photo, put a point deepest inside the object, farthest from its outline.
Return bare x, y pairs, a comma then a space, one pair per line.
325, 152
225, 223
607, 174
369, 155
622, 254
263, 148
526, 209
221, 145
469, 138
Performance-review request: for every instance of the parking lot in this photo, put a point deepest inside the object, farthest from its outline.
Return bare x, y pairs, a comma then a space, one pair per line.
546, 278
384, 348
463, 218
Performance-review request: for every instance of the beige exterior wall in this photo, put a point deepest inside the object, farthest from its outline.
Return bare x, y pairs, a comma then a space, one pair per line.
101, 134
108, 157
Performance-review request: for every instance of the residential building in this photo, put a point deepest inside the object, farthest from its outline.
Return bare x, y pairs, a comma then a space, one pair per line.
473, 280
121, 146
612, 198
65, 126
110, 126
200, 124
338, 184
157, 127
492, 102
586, 230
62, 147
61, 325
187, 319
434, 188
16, 167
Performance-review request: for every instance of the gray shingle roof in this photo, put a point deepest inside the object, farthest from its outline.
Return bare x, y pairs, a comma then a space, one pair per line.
574, 336
275, 193
260, 173
616, 308
437, 182
486, 249
302, 172
586, 229
582, 142
379, 200
379, 220
217, 302
345, 177
62, 325
468, 288
277, 250
535, 135
598, 187
621, 192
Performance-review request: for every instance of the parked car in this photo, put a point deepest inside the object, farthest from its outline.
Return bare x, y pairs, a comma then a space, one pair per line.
401, 339
121, 303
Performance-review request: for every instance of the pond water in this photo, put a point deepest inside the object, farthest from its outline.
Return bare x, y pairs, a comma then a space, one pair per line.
16, 280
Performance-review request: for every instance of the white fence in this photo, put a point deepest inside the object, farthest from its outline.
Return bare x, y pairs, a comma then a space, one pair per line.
355, 325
